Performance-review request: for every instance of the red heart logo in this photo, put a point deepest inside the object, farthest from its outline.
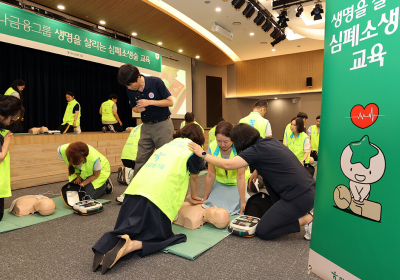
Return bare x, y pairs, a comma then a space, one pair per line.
364, 118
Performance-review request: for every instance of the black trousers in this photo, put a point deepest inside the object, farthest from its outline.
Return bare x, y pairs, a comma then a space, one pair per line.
64, 128
283, 217
1, 208
117, 127
128, 163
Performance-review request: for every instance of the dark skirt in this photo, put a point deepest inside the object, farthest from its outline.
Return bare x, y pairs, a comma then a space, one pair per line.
142, 220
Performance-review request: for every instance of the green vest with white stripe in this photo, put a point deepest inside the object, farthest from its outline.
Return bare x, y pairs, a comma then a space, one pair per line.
69, 116
10, 91
107, 112
256, 121
5, 177
314, 138
227, 177
164, 179
87, 168
184, 124
211, 135
297, 145
131, 146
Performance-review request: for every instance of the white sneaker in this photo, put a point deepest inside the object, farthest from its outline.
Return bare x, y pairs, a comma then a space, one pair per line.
111, 128
128, 175
78, 129
308, 229
120, 198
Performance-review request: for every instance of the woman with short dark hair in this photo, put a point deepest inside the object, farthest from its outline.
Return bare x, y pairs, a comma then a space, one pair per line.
225, 188
289, 185
15, 90
72, 115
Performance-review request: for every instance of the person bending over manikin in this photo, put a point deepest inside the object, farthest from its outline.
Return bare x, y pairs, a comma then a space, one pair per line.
29, 204
194, 216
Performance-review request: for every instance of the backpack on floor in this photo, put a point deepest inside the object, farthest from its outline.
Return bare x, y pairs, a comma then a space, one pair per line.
257, 205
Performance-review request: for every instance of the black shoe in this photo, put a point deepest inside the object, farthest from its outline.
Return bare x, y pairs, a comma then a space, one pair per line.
111, 128
120, 177
104, 128
110, 186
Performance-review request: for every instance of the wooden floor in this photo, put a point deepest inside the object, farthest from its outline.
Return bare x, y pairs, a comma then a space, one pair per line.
34, 158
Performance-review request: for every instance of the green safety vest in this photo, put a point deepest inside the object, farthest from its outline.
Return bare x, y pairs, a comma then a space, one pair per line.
87, 168
184, 123
297, 145
107, 112
5, 177
211, 135
164, 179
10, 91
69, 116
287, 133
131, 146
314, 138
256, 121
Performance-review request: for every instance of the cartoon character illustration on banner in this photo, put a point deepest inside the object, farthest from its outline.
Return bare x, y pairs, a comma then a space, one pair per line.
363, 163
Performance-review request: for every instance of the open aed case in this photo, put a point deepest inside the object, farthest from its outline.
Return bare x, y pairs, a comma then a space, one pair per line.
74, 198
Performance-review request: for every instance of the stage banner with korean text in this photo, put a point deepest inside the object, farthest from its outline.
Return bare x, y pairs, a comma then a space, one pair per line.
24, 28
356, 227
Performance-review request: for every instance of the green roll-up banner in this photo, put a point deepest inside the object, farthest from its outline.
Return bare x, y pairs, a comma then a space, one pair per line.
357, 209
28, 29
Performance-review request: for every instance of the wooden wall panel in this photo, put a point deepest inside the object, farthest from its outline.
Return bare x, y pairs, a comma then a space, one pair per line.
280, 74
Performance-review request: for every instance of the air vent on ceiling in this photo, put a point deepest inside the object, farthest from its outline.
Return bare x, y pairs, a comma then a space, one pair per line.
219, 29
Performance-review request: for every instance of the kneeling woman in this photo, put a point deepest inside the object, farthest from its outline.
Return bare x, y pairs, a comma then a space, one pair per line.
87, 168
289, 185
221, 184
151, 202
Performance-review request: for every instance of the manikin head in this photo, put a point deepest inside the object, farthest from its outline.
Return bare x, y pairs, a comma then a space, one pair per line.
45, 206
219, 217
223, 135
69, 96
261, 107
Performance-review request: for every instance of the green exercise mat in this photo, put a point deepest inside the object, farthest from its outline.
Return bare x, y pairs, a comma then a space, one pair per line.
12, 222
198, 240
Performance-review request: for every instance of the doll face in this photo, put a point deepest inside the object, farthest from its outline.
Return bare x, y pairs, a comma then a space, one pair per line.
357, 172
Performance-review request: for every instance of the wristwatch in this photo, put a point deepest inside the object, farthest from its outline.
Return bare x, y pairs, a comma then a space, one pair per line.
203, 154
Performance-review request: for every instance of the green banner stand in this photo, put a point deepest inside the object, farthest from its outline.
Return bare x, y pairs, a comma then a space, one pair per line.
28, 29
357, 222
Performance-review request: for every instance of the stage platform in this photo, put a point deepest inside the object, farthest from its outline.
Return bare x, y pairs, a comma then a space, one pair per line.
34, 158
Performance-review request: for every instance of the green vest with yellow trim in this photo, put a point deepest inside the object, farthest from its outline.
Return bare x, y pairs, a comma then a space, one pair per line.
87, 168
211, 135
297, 145
107, 112
10, 91
131, 146
256, 121
5, 178
69, 116
314, 138
287, 133
164, 179
184, 123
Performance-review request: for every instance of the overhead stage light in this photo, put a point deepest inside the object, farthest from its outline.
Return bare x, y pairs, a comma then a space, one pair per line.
259, 19
278, 40
249, 10
238, 3
317, 11
300, 10
275, 34
282, 19
267, 26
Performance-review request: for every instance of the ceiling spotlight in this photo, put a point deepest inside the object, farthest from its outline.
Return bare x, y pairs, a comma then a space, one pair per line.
134, 34
273, 50
61, 7
251, 34
238, 3
218, 9
282, 19
259, 19
317, 11
180, 51
299, 11
159, 43
249, 10
102, 22
275, 34
276, 97
267, 26
278, 40
197, 56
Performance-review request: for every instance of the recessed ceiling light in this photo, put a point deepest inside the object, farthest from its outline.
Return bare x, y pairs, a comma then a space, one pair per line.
197, 56
159, 43
251, 34
237, 23
273, 50
218, 9
276, 97
61, 7
134, 34
102, 22
180, 51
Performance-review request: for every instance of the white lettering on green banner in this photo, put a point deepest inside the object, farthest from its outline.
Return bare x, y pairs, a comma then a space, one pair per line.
70, 40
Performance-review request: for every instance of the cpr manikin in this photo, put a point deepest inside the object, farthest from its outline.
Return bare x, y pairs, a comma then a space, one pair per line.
38, 130
29, 204
194, 216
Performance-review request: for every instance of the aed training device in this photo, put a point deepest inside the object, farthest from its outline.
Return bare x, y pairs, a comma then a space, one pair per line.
244, 226
87, 207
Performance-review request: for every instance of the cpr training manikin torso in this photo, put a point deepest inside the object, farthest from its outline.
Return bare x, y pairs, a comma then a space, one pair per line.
29, 204
194, 216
